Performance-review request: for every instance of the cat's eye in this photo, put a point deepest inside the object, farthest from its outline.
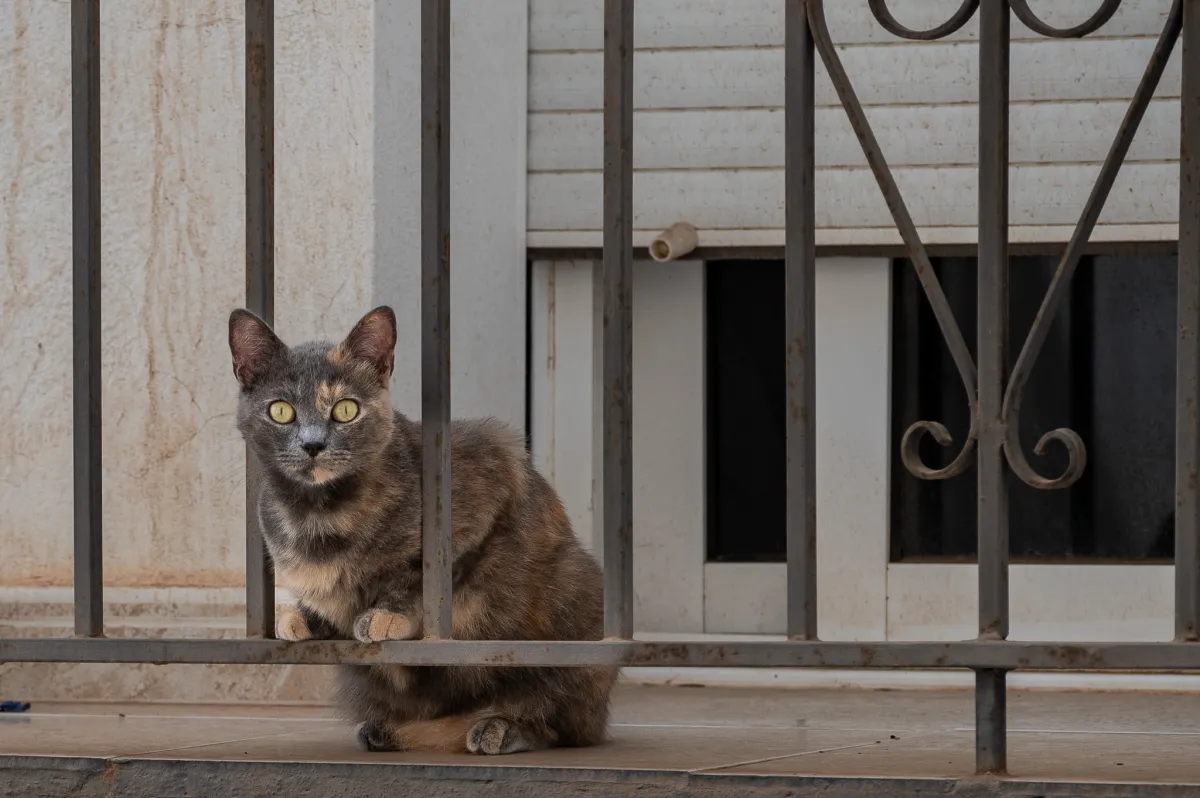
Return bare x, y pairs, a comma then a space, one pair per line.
345, 410
282, 412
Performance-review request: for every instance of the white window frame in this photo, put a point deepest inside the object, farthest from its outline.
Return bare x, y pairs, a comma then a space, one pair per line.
861, 595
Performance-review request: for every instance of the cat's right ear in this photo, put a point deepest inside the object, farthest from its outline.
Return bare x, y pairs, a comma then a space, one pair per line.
253, 345
373, 340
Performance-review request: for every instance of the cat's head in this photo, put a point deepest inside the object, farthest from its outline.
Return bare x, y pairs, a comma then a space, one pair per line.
315, 413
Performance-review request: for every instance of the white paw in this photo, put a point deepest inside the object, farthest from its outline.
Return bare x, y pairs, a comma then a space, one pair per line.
292, 627
376, 626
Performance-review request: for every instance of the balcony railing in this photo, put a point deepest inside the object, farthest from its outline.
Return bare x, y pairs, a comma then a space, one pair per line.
992, 392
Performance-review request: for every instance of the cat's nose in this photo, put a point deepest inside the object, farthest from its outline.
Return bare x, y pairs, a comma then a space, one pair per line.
313, 448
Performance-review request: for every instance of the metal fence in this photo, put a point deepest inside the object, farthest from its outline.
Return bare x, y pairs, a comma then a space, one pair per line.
993, 394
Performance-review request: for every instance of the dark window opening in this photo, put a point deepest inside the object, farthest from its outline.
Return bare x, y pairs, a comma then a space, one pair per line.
744, 405
1107, 371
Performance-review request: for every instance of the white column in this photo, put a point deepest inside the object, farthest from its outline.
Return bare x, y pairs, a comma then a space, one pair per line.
489, 77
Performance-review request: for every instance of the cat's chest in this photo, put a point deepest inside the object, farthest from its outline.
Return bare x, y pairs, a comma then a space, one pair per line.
317, 559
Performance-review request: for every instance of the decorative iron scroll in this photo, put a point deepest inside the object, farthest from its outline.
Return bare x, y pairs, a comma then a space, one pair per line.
961, 17
1033, 22
908, 232
1059, 285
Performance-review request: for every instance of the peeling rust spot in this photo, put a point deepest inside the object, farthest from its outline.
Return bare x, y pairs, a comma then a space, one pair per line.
108, 776
503, 658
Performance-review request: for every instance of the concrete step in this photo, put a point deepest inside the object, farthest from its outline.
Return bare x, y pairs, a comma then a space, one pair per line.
67, 777
41, 681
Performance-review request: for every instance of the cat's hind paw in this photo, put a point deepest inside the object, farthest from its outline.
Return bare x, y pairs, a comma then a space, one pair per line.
373, 737
494, 736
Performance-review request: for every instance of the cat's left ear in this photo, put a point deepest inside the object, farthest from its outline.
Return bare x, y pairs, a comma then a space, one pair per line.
373, 340
253, 345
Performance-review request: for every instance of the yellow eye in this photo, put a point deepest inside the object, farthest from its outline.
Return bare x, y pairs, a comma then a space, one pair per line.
345, 410
282, 412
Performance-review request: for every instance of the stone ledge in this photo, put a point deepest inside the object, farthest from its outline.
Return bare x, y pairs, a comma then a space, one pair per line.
40, 681
58, 777
35, 682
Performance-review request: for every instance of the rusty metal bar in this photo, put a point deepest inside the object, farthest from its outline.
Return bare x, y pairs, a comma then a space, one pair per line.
978, 655
819, 29
85, 289
991, 719
800, 258
1187, 353
992, 353
617, 338
1061, 283
992, 333
436, 552
260, 276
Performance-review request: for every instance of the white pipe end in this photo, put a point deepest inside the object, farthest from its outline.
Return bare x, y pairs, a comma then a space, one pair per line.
676, 241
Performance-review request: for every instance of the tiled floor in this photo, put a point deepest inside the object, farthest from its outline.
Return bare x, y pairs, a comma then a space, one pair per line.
1054, 737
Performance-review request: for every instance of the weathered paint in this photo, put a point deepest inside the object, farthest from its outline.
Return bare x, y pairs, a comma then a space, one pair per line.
709, 132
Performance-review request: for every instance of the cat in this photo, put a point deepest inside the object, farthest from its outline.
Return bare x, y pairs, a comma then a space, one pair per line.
340, 509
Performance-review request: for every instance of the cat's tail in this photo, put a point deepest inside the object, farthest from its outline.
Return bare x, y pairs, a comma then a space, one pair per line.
477, 733
447, 734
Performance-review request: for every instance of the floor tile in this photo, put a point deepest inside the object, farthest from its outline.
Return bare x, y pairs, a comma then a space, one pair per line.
116, 736
1040, 756
678, 748
1112, 712
283, 712
1054, 736
808, 709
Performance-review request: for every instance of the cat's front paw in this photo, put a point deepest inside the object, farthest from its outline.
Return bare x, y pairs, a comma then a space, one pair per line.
292, 627
376, 626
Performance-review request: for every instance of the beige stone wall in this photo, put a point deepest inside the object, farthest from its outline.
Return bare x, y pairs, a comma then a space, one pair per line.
173, 233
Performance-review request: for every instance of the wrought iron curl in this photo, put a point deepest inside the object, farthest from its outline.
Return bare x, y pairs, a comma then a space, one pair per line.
959, 352
910, 447
893, 26
1070, 440
1037, 25
1060, 284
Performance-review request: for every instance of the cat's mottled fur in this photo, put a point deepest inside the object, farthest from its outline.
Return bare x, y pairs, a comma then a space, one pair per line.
341, 512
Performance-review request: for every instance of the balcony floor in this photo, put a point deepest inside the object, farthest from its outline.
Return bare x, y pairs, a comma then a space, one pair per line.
666, 741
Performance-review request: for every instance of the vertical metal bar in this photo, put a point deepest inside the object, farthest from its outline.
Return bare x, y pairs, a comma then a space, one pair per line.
617, 356
260, 275
1187, 353
85, 220
436, 553
991, 344
991, 722
800, 298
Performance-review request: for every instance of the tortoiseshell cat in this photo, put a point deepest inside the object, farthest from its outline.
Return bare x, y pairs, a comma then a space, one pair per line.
341, 512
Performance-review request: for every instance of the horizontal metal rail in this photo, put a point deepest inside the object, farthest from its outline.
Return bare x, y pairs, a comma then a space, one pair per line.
1004, 655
